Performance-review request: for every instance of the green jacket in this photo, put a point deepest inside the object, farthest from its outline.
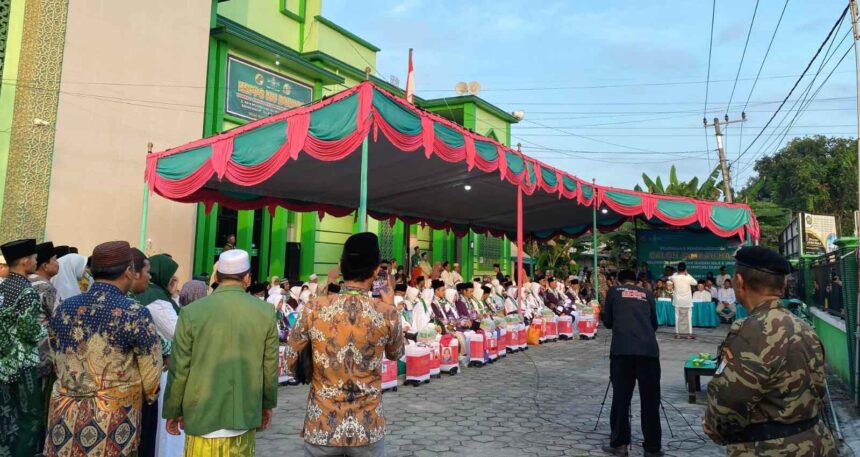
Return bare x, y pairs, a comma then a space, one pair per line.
224, 367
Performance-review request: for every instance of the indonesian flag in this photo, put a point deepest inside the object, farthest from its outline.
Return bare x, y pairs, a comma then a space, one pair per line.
410, 80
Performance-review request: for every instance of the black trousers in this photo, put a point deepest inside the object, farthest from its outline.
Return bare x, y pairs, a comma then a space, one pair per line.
625, 371
148, 429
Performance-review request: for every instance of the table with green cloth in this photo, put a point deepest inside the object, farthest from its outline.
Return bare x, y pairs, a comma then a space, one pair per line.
665, 312
741, 311
705, 314
694, 369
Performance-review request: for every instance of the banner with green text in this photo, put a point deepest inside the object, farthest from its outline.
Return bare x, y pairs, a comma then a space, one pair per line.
702, 251
254, 92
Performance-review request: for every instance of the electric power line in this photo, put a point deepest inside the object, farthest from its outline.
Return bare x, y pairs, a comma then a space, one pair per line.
743, 55
796, 83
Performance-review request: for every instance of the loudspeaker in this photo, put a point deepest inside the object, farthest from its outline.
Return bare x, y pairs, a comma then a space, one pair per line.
292, 261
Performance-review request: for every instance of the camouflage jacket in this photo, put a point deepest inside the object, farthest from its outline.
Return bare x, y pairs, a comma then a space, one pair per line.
772, 370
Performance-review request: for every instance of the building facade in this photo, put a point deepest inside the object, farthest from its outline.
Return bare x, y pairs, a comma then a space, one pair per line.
72, 155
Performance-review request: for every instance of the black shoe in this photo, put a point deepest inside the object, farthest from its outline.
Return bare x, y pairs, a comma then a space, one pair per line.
654, 454
620, 450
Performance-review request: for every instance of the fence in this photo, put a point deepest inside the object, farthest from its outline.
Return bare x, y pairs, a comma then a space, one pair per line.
829, 283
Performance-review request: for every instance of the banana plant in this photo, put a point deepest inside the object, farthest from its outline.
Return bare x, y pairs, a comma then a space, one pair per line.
709, 190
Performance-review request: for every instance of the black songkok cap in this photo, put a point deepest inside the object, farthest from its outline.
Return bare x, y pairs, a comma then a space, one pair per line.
461, 287
73, 250
400, 287
626, 275
437, 283
360, 252
19, 249
762, 259
486, 289
61, 251
257, 288
551, 279
467, 285
44, 252
333, 288
419, 279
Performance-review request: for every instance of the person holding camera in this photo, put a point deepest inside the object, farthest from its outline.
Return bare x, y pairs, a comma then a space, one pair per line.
634, 356
348, 333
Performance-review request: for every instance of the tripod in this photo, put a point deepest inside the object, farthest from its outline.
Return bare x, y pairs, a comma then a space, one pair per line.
603, 403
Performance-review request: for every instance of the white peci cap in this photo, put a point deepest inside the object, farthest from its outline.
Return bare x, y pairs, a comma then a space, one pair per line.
233, 262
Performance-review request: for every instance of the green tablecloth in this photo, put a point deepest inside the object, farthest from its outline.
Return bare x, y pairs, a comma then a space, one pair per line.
665, 312
742, 312
707, 364
705, 314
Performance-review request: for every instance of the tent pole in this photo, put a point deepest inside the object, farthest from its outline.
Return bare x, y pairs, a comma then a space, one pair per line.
144, 214
362, 202
594, 238
519, 275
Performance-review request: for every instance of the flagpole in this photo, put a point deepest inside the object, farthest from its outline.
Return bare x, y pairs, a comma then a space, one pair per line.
144, 214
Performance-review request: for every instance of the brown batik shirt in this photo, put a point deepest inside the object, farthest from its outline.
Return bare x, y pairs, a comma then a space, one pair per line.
349, 334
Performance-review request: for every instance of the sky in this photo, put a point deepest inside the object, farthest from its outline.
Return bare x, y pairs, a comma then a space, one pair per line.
612, 89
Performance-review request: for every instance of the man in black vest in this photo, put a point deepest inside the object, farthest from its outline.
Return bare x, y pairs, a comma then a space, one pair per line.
631, 313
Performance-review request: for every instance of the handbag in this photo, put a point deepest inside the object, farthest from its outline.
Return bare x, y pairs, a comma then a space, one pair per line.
304, 365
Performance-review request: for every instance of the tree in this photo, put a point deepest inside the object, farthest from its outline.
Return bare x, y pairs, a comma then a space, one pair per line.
814, 174
709, 190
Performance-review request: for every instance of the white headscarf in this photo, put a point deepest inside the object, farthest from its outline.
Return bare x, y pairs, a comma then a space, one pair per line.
72, 267
312, 287
305, 296
295, 292
412, 294
535, 288
427, 295
479, 292
451, 295
512, 292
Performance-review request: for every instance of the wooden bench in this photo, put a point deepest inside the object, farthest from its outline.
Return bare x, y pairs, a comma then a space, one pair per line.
693, 374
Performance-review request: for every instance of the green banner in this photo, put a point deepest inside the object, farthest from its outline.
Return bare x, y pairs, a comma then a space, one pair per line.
254, 92
702, 251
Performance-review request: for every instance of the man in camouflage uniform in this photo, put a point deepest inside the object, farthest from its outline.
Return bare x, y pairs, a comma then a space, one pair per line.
767, 394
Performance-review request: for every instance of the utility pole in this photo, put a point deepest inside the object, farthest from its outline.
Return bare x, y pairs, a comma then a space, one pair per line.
727, 179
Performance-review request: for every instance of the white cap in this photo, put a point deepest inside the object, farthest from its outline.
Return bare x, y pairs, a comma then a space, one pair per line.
233, 262
312, 277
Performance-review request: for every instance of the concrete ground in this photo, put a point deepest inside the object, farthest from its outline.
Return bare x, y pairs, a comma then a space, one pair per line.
543, 402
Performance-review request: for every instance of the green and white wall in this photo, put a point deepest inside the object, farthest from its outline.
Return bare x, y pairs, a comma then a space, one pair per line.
292, 39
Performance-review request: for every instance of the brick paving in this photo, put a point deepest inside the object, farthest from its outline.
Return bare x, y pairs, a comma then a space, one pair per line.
542, 402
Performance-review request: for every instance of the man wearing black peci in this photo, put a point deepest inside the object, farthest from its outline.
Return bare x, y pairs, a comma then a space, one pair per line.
631, 313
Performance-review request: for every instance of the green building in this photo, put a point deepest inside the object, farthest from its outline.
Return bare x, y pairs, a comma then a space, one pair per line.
289, 48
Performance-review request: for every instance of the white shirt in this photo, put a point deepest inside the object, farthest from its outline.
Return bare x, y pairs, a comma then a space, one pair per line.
420, 316
701, 296
682, 295
458, 278
726, 296
721, 279
164, 317
448, 278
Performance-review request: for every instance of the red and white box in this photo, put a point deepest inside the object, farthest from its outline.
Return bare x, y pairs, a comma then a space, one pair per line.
565, 327
521, 337
551, 328
503, 342
435, 360
492, 346
389, 374
587, 326
418, 363
476, 349
449, 349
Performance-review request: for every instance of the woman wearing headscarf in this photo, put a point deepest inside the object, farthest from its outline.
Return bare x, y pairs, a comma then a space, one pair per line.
192, 291
157, 299
437, 271
72, 267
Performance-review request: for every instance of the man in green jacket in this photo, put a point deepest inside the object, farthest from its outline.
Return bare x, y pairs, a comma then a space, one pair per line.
215, 389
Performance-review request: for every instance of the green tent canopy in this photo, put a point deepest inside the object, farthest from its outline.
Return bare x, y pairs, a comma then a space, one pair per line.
421, 168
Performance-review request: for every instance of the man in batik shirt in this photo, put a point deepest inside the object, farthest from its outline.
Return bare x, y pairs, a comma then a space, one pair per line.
46, 268
108, 362
20, 333
349, 334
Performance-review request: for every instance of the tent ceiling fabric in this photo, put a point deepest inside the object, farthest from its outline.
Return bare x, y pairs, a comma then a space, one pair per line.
308, 159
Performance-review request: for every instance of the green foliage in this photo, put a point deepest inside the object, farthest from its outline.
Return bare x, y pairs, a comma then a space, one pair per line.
620, 245
815, 174
709, 190
558, 254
